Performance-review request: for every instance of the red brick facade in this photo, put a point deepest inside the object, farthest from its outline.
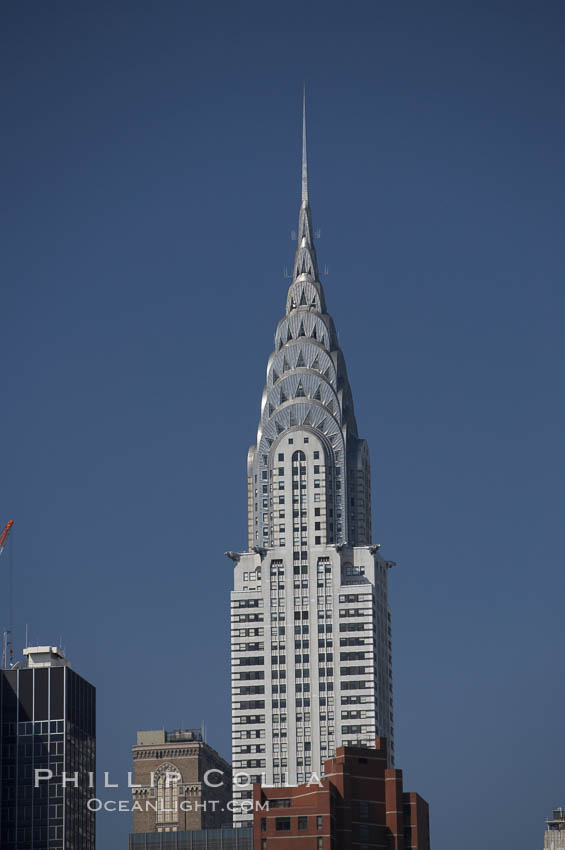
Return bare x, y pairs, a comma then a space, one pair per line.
358, 805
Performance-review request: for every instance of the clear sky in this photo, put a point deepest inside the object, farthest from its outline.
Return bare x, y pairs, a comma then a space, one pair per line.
150, 182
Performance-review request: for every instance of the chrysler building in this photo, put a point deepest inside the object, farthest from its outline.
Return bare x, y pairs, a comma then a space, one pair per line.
310, 622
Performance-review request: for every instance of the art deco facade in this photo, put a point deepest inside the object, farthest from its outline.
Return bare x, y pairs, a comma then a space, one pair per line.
310, 623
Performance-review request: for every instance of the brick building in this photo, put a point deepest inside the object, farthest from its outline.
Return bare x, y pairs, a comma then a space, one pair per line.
174, 793
359, 804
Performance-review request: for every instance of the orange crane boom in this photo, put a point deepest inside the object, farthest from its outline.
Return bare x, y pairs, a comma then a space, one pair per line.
5, 534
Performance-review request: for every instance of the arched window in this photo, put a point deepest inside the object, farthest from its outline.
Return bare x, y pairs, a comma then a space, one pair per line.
167, 779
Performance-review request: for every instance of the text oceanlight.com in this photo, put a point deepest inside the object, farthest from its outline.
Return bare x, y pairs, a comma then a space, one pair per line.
212, 778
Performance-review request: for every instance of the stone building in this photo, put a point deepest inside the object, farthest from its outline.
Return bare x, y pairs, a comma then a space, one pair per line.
180, 783
310, 622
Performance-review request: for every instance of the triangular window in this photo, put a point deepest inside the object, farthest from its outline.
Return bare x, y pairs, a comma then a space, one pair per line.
284, 396
303, 299
314, 335
299, 391
289, 335
275, 377
308, 418
317, 396
316, 363
300, 361
301, 331
292, 418
286, 367
279, 427
271, 409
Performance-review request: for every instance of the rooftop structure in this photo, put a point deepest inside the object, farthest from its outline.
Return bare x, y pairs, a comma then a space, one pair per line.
554, 838
45, 656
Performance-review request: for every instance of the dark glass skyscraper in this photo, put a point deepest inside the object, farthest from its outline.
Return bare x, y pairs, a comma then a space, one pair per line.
47, 723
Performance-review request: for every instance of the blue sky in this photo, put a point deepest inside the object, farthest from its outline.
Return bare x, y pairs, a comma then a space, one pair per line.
150, 181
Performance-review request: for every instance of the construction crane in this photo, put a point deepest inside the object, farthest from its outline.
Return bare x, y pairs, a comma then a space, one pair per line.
6, 643
5, 534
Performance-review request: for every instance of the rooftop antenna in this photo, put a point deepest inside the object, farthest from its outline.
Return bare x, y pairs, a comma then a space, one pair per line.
304, 150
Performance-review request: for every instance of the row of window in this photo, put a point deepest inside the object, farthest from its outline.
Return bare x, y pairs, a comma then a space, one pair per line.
248, 618
283, 824
247, 603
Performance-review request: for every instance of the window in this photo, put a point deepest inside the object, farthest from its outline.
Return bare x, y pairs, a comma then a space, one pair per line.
281, 456
316, 455
320, 844
319, 822
263, 824
282, 824
302, 823
167, 794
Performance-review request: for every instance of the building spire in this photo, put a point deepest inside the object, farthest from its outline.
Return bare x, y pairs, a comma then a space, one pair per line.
304, 151
305, 260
